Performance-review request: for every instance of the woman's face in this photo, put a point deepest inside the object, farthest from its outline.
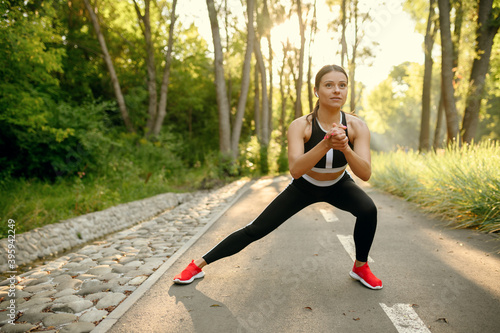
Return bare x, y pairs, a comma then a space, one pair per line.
332, 90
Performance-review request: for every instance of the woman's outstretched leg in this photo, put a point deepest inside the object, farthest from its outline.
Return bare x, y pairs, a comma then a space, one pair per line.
284, 206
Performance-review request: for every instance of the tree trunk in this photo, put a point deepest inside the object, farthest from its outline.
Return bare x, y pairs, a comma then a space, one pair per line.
162, 106
264, 139
457, 37
111, 68
270, 95
283, 99
270, 69
220, 83
447, 71
282, 128
485, 34
310, 84
245, 81
439, 124
256, 103
229, 80
266, 135
150, 64
424, 142
352, 67
314, 27
343, 42
298, 87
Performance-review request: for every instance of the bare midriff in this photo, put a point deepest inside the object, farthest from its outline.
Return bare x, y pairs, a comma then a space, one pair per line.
325, 176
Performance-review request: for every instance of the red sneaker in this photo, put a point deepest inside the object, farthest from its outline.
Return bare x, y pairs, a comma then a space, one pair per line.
364, 275
188, 275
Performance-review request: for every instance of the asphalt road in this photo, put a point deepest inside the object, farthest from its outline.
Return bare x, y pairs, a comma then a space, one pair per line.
436, 279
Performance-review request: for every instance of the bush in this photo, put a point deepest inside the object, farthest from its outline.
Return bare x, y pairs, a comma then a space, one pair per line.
70, 139
462, 184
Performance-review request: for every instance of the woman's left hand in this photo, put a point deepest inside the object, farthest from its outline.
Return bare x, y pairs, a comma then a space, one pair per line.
336, 138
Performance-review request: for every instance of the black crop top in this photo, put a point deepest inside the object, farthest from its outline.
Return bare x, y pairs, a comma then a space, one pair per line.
334, 160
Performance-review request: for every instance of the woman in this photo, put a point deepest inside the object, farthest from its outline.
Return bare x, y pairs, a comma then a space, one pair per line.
320, 145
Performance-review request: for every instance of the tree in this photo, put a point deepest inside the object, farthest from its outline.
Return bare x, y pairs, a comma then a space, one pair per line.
488, 24
265, 133
456, 39
430, 33
150, 61
395, 108
245, 84
360, 49
220, 83
29, 68
267, 24
355, 48
352, 62
439, 124
285, 91
342, 25
314, 29
111, 68
488, 128
156, 109
261, 105
300, 78
343, 52
447, 71
162, 106
225, 145
265, 110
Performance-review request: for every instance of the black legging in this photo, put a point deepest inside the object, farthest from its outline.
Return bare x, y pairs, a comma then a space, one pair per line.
345, 195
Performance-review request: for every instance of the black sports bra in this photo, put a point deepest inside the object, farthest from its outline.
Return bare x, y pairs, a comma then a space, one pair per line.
334, 160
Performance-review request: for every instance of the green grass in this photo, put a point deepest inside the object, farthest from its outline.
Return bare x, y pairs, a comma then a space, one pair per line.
460, 184
35, 203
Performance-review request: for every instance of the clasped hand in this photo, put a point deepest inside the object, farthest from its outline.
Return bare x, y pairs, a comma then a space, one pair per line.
336, 138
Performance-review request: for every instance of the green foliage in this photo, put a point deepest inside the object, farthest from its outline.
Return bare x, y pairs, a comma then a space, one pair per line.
192, 105
28, 84
283, 161
489, 117
393, 108
71, 139
461, 184
129, 168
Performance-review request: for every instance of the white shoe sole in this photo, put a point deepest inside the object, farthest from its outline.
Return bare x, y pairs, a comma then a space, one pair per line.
360, 279
197, 276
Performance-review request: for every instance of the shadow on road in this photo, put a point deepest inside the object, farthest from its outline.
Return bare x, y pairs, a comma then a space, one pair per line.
207, 314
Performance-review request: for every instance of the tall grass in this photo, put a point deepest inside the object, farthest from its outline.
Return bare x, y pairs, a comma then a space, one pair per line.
461, 184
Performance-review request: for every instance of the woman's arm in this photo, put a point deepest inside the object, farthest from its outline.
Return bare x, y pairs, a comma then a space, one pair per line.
298, 162
359, 158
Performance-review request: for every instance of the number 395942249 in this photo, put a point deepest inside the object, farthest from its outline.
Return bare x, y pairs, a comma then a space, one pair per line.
11, 256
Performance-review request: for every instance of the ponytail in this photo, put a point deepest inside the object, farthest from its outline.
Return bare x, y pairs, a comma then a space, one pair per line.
314, 113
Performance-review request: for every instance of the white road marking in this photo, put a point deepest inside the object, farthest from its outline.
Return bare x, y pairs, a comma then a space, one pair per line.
328, 215
405, 319
348, 243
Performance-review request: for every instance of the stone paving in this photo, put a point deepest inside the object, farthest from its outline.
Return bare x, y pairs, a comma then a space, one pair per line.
75, 292
39, 243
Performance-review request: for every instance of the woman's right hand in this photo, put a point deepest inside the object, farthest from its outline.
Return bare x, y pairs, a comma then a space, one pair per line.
336, 138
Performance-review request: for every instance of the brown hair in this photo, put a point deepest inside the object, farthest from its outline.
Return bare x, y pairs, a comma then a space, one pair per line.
322, 72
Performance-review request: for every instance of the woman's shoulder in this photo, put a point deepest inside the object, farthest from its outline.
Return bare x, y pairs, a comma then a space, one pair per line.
303, 121
300, 127
356, 125
354, 120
